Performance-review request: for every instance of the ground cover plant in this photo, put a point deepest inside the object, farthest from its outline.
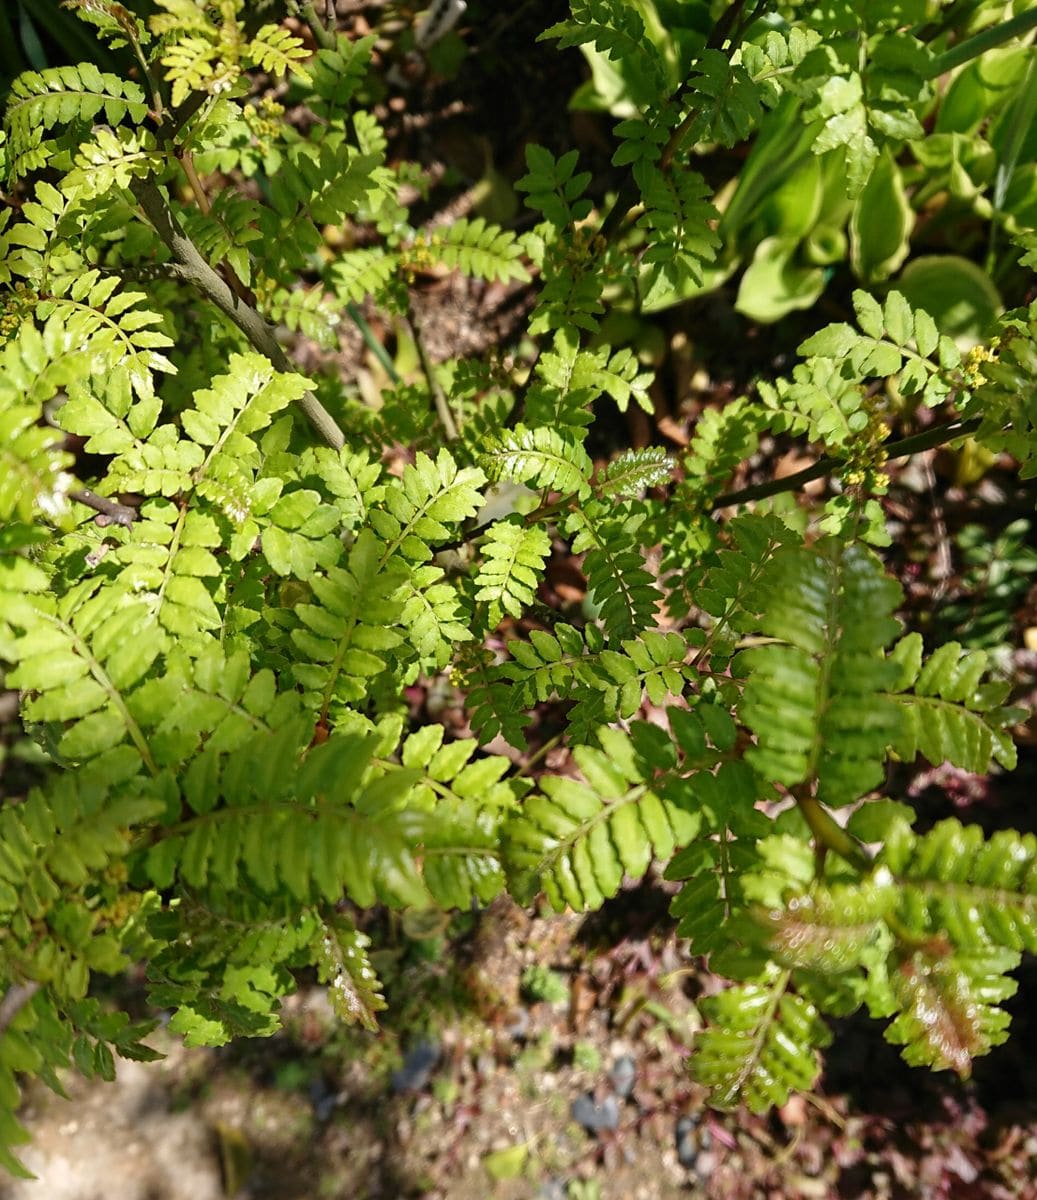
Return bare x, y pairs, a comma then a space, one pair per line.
221, 576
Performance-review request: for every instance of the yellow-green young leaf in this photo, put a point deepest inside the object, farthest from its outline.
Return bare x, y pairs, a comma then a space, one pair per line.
880, 225
507, 1163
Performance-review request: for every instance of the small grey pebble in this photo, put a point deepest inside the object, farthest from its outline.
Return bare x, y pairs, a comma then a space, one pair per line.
418, 1065
323, 1099
623, 1076
687, 1141
595, 1118
552, 1189
518, 1028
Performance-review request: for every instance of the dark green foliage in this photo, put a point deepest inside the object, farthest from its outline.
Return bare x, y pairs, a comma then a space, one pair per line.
221, 670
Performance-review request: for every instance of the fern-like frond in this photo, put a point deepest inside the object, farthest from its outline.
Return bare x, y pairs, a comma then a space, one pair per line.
555, 187
335, 74
618, 31
295, 820
418, 509
357, 274
478, 249
279, 52
734, 590
678, 222
726, 100
979, 891
541, 458
578, 840
563, 388
761, 1044
830, 928
40, 100
513, 563
627, 476
711, 868
949, 1011
949, 714
343, 637
895, 341
34, 365
623, 591
121, 335
818, 702
434, 615
343, 964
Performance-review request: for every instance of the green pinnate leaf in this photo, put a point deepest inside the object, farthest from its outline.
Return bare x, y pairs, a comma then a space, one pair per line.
761, 1044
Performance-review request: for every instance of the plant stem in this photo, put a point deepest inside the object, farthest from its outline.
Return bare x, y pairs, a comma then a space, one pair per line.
939, 435
190, 267
830, 834
15, 999
323, 36
628, 193
980, 42
373, 344
111, 512
439, 396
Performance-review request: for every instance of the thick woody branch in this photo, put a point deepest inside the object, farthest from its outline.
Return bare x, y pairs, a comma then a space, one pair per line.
190, 267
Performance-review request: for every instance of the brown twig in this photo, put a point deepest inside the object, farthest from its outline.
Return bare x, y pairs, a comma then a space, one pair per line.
628, 192
110, 512
15, 999
939, 435
190, 267
439, 396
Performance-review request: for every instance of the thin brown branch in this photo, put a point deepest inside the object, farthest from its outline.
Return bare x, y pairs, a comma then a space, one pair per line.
109, 512
439, 396
15, 999
192, 268
939, 435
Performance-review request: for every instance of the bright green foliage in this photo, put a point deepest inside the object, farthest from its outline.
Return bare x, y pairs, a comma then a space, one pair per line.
617, 30
761, 1044
578, 840
677, 223
555, 187
218, 629
982, 892
815, 701
63, 95
951, 714
542, 458
513, 562
484, 251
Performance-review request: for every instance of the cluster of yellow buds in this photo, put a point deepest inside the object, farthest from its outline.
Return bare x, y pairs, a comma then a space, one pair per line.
17, 306
264, 119
420, 256
972, 364
867, 455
